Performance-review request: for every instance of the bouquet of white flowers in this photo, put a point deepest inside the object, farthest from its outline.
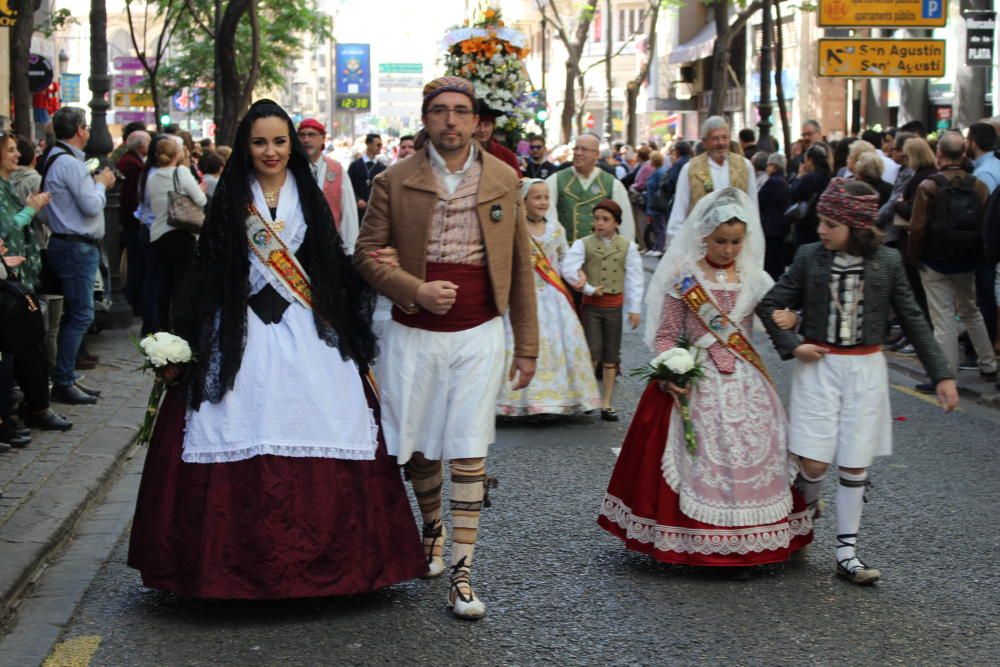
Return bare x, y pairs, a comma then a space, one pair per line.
680, 366
163, 353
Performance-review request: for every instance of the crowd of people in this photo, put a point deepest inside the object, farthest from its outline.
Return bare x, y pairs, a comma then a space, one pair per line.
273, 469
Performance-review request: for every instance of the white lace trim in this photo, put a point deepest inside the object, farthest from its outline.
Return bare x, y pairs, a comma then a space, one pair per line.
355, 453
706, 542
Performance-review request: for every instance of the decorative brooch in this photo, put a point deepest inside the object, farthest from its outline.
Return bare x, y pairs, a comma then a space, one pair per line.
496, 213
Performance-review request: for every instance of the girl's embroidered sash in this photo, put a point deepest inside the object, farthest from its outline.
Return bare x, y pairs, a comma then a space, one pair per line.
544, 269
274, 254
721, 327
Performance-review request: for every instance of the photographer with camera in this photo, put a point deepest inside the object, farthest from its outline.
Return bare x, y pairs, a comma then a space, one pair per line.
76, 218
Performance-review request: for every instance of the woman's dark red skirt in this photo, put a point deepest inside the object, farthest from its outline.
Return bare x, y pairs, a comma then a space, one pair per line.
270, 526
644, 512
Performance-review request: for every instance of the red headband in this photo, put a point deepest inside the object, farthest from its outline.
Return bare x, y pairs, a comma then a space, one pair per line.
838, 204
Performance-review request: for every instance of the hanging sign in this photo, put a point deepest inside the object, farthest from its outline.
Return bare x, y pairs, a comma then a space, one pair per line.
980, 29
883, 14
881, 58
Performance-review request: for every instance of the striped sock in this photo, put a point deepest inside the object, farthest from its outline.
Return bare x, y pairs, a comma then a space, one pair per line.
468, 477
426, 479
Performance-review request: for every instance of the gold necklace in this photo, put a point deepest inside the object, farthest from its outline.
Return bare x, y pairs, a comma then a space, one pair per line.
271, 198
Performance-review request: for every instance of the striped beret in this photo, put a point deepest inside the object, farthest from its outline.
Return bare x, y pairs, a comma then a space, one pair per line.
448, 84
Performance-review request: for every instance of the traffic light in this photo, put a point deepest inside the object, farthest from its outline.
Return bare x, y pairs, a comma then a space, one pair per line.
542, 110
541, 114
165, 119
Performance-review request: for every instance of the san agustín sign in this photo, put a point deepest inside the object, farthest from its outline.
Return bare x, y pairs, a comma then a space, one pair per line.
881, 58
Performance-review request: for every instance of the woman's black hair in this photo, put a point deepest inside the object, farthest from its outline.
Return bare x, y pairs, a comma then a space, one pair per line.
343, 303
820, 159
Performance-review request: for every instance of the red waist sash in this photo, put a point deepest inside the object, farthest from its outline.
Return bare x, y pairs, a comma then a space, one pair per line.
605, 301
854, 350
474, 303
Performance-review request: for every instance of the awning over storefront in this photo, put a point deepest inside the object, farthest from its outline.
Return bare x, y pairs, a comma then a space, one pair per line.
696, 48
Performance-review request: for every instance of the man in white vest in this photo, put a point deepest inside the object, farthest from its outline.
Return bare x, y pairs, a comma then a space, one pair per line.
332, 180
713, 170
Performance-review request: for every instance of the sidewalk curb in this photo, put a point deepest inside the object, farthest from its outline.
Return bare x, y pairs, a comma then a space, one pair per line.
989, 399
45, 522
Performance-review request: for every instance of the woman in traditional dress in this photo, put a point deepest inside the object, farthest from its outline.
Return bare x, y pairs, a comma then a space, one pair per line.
564, 381
731, 502
267, 475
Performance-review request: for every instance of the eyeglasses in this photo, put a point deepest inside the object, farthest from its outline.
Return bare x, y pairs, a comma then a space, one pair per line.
537, 148
441, 112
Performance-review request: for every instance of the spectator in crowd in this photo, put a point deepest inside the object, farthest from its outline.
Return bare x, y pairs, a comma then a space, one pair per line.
628, 160
811, 133
868, 169
947, 249
759, 162
10, 434
76, 218
840, 154
207, 145
30, 366
886, 214
145, 216
175, 248
656, 217
981, 144
131, 164
406, 147
857, 148
224, 151
813, 177
748, 143
211, 165
772, 198
537, 166
680, 155
363, 170
605, 160
916, 127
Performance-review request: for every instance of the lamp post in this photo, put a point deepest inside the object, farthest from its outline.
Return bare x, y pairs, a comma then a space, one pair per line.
100, 146
764, 106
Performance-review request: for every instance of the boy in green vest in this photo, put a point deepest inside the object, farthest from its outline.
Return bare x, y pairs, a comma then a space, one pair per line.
607, 269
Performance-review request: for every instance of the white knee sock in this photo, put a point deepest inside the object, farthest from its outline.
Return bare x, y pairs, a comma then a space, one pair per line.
850, 504
809, 487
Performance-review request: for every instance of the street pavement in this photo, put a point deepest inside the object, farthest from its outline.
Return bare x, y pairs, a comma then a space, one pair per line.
561, 591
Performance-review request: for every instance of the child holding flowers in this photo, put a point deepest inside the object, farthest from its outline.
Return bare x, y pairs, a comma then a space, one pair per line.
723, 497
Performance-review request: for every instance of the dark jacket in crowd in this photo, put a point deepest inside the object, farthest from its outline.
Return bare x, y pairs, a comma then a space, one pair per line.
923, 213
772, 199
883, 189
810, 186
904, 207
362, 174
541, 170
805, 287
130, 164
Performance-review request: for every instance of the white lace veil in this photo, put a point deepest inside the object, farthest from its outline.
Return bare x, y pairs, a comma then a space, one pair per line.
689, 246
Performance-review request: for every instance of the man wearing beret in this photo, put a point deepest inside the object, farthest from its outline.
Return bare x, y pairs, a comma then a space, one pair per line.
336, 187
452, 213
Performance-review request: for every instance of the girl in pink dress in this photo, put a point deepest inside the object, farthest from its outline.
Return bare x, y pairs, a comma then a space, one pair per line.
730, 503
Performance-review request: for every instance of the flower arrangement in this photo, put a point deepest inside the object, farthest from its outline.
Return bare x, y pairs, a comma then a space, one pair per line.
163, 353
680, 366
489, 54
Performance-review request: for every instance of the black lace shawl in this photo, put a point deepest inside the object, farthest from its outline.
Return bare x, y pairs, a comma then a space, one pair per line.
343, 303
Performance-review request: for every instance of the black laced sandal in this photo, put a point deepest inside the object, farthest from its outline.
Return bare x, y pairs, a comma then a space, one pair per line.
853, 569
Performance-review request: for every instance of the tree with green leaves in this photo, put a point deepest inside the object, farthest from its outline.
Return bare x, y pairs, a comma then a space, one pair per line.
147, 18
217, 47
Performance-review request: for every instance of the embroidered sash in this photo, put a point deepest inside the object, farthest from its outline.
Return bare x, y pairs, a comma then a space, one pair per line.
275, 255
544, 269
721, 327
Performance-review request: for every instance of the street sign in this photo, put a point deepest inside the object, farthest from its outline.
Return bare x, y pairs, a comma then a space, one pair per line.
134, 117
353, 76
129, 63
400, 68
40, 73
69, 85
980, 26
883, 13
8, 15
186, 100
127, 83
133, 100
881, 58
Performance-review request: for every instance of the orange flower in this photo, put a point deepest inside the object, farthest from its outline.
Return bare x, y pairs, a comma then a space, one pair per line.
489, 14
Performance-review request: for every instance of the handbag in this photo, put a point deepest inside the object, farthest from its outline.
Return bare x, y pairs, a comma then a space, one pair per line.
182, 212
800, 209
21, 324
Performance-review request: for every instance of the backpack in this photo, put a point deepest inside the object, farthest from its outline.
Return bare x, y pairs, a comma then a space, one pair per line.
991, 228
955, 232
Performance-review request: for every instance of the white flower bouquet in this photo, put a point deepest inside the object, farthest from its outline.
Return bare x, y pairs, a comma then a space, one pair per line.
164, 353
680, 366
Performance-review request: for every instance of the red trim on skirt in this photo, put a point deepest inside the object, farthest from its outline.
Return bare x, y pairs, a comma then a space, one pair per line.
271, 526
474, 302
637, 485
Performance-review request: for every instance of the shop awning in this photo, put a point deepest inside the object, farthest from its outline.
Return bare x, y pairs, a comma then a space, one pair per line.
698, 47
